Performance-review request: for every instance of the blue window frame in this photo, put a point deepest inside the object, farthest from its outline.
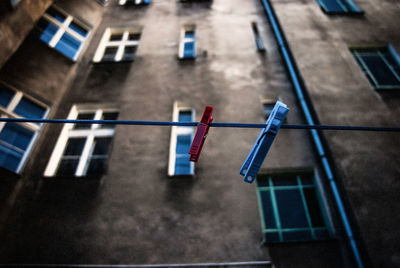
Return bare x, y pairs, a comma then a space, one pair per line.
381, 66
187, 48
339, 6
62, 32
16, 139
290, 207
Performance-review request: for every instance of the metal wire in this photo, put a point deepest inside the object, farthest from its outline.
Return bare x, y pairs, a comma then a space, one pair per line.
193, 124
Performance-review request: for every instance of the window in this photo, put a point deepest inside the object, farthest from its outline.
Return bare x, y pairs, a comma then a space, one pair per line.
63, 32
118, 45
103, 2
17, 139
259, 42
82, 149
181, 139
339, 6
187, 45
290, 207
134, 2
381, 65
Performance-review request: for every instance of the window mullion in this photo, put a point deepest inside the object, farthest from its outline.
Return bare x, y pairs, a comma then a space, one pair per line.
60, 32
121, 46
366, 69
389, 66
85, 155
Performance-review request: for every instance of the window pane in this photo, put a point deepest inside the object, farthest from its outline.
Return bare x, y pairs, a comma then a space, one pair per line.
183, 144
74, 146
109, 53
284, 180
189, 34
268, 211
84, 116
97, 165
129, 53
185, 116
16, 136
296, 235
116, 37
134, 36
101, 146
313, 207
272, 237
307, 179
78, 29
188, 50
9, 158
68, 45
29, 109
5, 96
67, 166
182, 165
48, 30
290, 208
55, 14
333, 6
109, 116
380, 71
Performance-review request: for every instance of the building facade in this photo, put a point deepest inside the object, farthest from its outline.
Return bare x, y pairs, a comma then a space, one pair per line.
106, 194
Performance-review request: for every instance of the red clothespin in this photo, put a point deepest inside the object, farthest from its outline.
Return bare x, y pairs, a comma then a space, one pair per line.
201, 134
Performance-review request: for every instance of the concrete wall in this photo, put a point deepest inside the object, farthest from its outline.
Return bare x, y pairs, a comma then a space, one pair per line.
135, 213
367, 163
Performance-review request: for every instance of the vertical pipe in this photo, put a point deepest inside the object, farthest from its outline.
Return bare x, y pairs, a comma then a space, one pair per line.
315, 135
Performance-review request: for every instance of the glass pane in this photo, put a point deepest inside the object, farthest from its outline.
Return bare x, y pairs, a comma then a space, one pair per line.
109, 116
74, 146
268, 109
5, 96
84, 116
78, 29
9, 158
29, 109
290, 208
48, 30
185, 116
55, 14
333, 6
16, 136
268, 211
183, 144
109, 53
272, 237
68, 45
262, 181
313, 207
101, 146
380, 71
296, 236
129, 53
116, 37
188, 50
134, 36
67, 166
96, 166
182, 165
307, 179
189, 34
284, 180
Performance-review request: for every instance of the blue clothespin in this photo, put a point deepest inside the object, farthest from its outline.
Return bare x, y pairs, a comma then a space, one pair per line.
261, 147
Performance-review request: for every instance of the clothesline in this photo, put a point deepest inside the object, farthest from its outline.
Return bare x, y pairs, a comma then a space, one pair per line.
193, 124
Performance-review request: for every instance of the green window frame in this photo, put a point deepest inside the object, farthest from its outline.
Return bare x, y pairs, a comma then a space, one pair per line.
291, 207
381, 65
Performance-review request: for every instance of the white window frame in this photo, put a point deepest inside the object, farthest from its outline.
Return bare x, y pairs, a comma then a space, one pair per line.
120, 44
90, 134
8, 112
178, 130
137, 2
183, 39
63, 27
